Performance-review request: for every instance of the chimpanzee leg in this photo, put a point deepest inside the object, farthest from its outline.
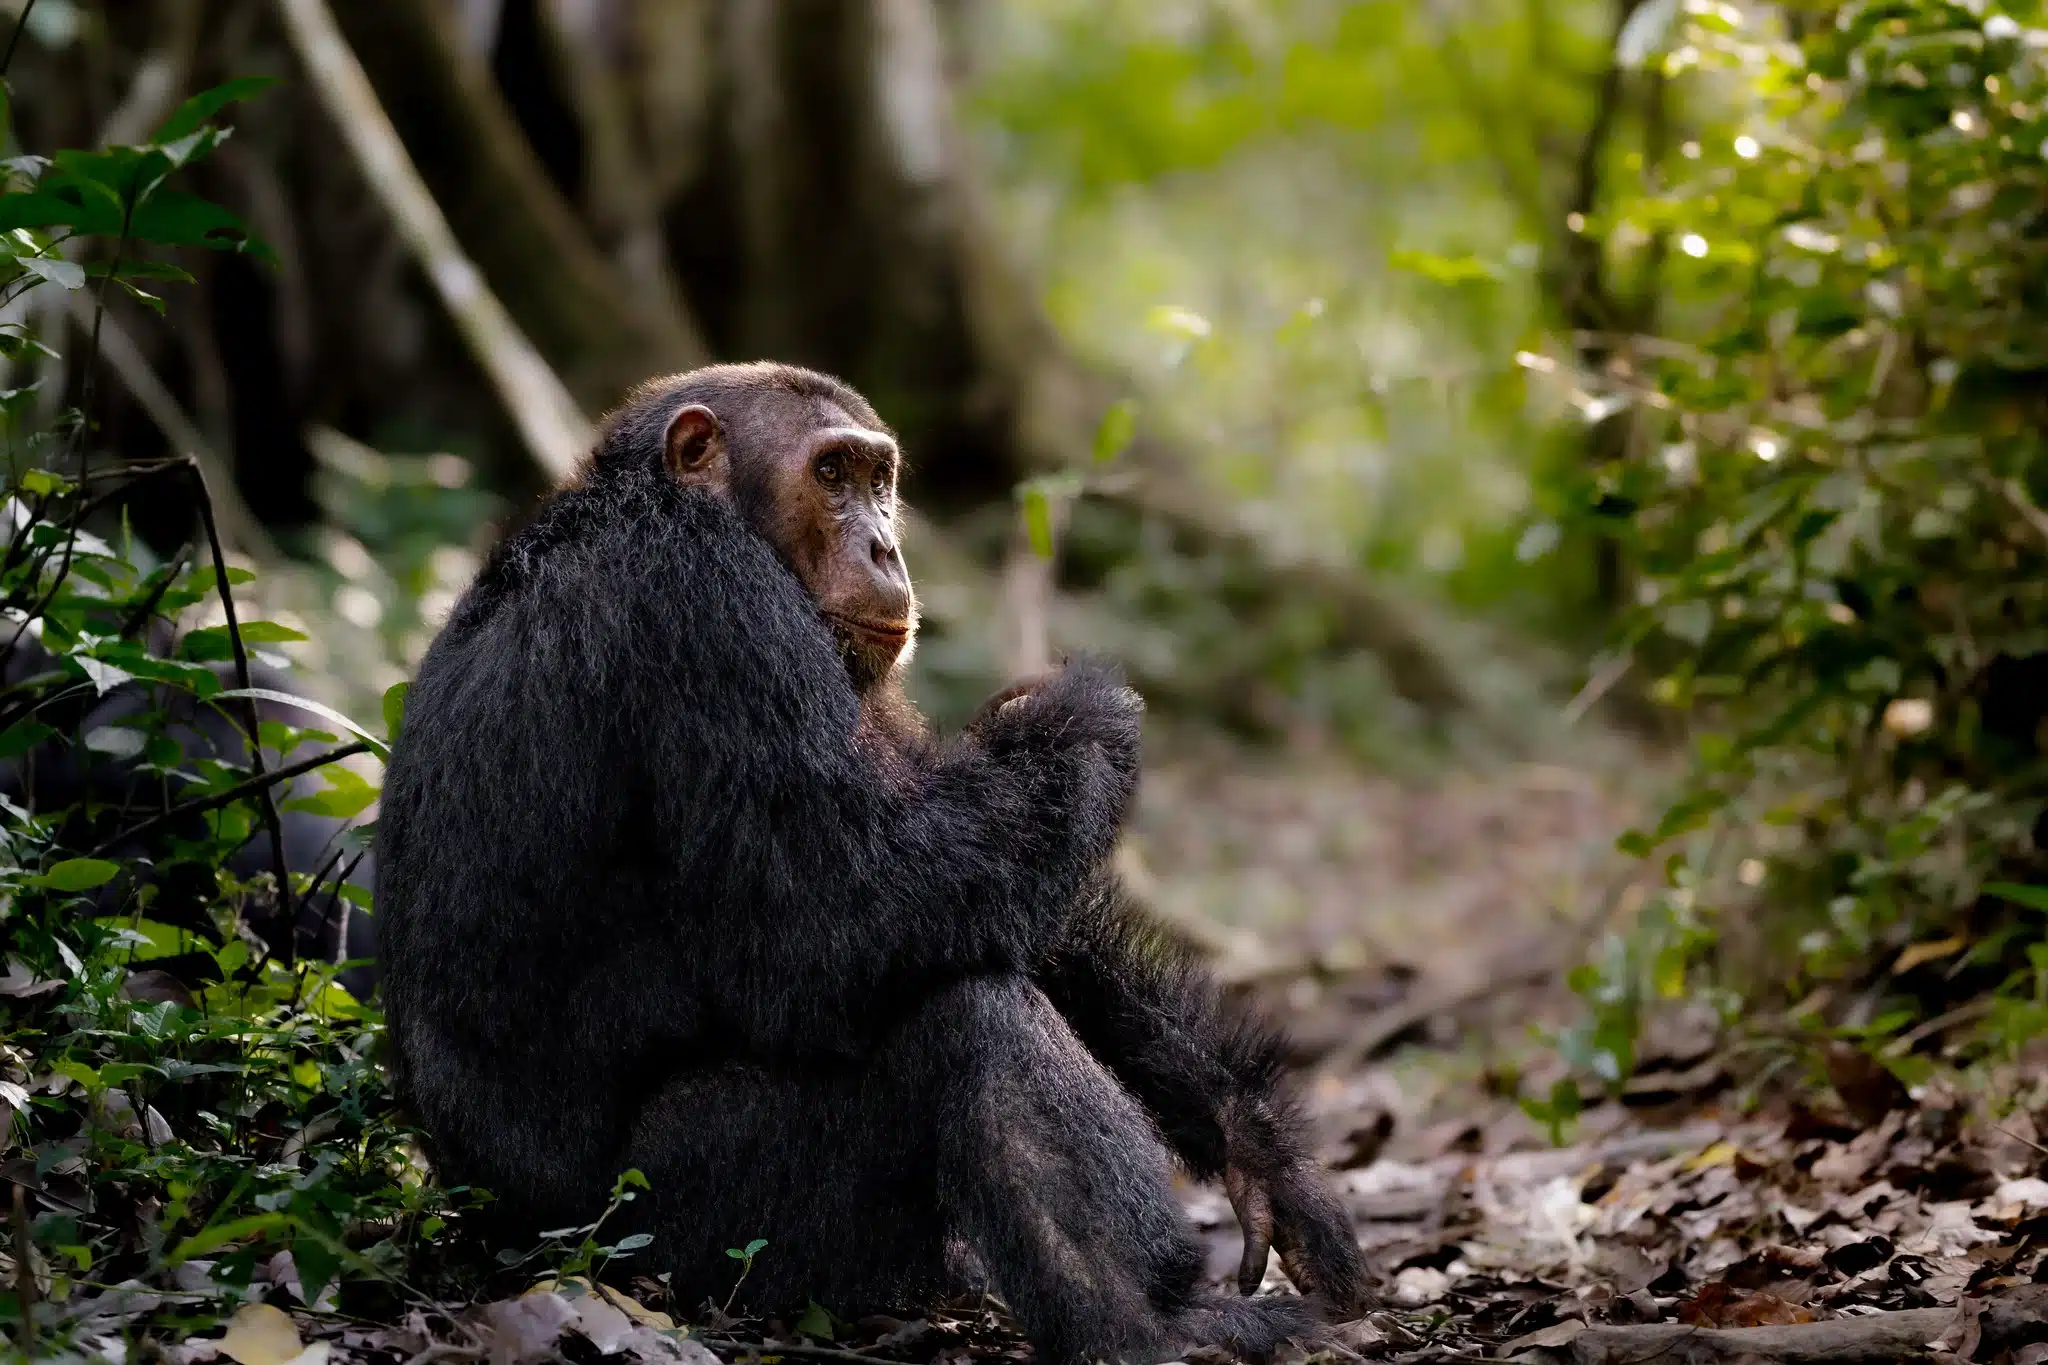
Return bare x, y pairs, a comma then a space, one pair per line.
1056, 1178
832, 1166
981, 1117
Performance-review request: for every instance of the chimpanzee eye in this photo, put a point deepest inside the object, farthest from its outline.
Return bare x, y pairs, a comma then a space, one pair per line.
881, 483
829, 472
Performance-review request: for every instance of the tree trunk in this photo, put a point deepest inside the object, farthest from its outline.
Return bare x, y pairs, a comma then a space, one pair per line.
598, 332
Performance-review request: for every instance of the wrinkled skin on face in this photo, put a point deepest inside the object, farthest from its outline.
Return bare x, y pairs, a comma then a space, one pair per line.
827, 489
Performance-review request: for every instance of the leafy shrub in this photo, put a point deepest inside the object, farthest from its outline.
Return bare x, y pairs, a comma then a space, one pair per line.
186, 1099
1834, 499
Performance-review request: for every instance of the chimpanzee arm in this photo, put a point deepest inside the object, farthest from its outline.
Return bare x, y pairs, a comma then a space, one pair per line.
816, 880
1149, 1012
1212, 1079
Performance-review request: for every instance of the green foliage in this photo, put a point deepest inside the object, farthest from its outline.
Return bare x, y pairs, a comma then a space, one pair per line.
577, 1252
190, 1100
1832, 503
1323, 269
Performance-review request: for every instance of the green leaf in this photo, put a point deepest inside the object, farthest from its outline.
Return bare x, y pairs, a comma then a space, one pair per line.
190, 116
317, 1260
43, 483
265, 1225
18, 738
128, 268
86, 194
394, 707
1038, 520
1119, 425
754, 1247
815, 1322
175, 218
348, 794
55, 269
2032, 897
377, 746
78, 874
1444, 269
214, 642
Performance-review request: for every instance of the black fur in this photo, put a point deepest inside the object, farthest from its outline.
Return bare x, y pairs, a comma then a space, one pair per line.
657, 891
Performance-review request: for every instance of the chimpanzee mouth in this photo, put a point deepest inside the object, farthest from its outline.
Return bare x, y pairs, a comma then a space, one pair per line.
879, 632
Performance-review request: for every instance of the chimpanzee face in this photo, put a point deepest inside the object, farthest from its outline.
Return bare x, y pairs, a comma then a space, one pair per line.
821, 488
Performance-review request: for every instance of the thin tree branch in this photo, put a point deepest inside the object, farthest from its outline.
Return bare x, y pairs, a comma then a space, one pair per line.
1581, 291
14, 38
139, 615
263, 782
251, 721
554, 428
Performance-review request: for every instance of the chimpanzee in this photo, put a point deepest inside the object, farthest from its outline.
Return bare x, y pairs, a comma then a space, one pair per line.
672, 877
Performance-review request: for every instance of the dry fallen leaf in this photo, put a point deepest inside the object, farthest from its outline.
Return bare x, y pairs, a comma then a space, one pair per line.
1719, 1305
261, 1335
526, 1328
618, 1299
1918, 953
1866, 1087
1553, 1337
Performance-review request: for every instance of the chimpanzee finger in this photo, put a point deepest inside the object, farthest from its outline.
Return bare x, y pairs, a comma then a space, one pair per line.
1254, 1209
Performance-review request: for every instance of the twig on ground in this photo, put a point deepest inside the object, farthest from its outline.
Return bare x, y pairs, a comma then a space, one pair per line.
2011, 1320
800, 1352
1964, 1013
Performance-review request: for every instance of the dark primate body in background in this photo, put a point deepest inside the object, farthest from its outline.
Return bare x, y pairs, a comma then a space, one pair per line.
671, 877
108, 792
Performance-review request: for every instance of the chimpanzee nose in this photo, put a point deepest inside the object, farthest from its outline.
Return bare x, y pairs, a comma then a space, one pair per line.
885, 563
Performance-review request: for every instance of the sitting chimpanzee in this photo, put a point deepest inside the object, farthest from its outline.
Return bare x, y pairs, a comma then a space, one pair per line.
671, 877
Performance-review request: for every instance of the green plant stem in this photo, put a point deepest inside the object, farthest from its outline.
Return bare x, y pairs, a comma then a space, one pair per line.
14, 38
250, 719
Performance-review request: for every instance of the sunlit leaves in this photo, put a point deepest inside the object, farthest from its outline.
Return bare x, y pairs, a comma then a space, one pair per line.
1444, 269
1851, 536
348, 795
78, 874
119, 193
1119, 425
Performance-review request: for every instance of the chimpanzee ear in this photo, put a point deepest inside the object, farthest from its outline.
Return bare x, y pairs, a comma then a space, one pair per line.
693, 445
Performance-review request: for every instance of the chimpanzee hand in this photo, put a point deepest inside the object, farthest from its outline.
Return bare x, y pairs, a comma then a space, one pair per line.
1085, 703
1283, 1205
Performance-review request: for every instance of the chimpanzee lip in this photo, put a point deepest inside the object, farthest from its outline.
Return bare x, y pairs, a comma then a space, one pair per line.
883, 630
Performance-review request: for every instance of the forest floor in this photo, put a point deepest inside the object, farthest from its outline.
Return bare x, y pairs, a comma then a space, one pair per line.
1413, 936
